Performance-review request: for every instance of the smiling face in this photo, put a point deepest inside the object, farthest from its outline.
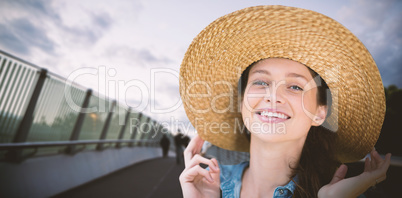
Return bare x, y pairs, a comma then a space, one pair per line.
280, 101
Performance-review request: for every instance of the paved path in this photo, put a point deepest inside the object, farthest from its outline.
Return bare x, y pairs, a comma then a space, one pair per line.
149, 179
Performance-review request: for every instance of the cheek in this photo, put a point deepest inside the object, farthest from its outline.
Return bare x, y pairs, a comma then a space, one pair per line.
247, 106
309, 101
305, 108
245, 114
249, 102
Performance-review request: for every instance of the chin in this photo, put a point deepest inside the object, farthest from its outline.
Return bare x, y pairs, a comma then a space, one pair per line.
270, 134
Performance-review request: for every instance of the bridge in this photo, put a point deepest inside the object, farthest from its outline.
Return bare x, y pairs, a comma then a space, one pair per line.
56, 136
60, 139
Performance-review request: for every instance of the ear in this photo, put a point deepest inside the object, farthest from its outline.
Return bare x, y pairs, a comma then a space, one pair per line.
320, 115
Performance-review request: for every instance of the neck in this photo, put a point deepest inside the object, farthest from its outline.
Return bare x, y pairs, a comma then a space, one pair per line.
271, 165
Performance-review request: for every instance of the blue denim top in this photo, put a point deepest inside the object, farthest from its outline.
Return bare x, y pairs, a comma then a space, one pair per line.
231, 176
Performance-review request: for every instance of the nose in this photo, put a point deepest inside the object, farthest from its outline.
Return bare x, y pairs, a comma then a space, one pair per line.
274, 94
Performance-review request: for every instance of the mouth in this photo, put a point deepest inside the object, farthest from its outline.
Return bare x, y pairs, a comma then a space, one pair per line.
273, 114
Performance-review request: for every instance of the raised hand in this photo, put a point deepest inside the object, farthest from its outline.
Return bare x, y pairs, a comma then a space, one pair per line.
196, 181
375, 171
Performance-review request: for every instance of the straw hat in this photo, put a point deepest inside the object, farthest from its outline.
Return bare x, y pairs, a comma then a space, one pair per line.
217, 57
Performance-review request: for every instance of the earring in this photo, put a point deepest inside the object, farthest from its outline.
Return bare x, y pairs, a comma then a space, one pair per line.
317, 119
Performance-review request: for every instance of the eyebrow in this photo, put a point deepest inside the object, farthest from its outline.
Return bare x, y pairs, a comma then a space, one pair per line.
262, 72
295, 75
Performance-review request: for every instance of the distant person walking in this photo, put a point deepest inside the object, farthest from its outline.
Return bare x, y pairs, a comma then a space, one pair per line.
178, 141
165, 143
185, 140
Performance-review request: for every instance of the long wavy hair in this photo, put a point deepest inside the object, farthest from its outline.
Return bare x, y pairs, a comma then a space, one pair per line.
318, 162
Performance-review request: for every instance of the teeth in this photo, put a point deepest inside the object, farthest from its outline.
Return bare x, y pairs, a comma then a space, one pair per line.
271, 114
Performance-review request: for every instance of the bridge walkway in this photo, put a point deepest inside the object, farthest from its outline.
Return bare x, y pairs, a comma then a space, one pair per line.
148, 179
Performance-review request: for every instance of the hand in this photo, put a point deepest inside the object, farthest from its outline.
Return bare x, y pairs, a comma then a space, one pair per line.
196, 181
375, 171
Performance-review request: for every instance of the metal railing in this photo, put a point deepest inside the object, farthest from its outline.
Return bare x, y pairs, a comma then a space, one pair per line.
35, 112
7, 146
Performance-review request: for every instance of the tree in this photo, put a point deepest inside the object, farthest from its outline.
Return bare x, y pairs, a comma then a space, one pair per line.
391, 132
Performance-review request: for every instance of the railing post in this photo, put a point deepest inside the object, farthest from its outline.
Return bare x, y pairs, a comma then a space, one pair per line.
135, 130
143, 134
26, 122
78, 124
123, 127
106, 126
152, 132
158, 134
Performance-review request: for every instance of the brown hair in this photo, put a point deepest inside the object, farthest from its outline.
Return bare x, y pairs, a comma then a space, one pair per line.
318, 162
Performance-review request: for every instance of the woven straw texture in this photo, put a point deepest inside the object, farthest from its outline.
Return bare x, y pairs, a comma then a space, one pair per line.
216, 58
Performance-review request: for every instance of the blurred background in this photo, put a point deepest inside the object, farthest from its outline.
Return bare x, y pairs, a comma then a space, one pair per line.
123, 58
126, 40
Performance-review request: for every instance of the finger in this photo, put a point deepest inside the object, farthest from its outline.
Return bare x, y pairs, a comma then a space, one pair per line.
197, 159
387, 162
216, 174
215, 161
377, 158
382, 169
198, 144
367, 166
194, 142
372, 161
188, 154
192, 173
339, 174
193, 148
215, 164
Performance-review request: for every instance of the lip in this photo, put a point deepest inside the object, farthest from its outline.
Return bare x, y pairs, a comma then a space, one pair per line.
271, 119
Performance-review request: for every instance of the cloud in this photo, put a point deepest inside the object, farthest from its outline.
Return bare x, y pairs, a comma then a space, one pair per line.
378, 24
25, 25
27, 7
30, 35
21, 33
10, 41
86, 35
102, 20
64, 36
135, 56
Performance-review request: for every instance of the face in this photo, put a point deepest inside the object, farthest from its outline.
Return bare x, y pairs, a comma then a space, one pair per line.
280, 101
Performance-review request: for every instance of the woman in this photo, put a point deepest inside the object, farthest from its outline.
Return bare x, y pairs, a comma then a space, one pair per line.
299, 132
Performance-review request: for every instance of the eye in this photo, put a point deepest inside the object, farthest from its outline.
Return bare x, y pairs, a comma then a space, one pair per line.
295, 87
259, 82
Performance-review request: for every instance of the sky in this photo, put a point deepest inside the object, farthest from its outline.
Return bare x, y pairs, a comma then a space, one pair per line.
131, 50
